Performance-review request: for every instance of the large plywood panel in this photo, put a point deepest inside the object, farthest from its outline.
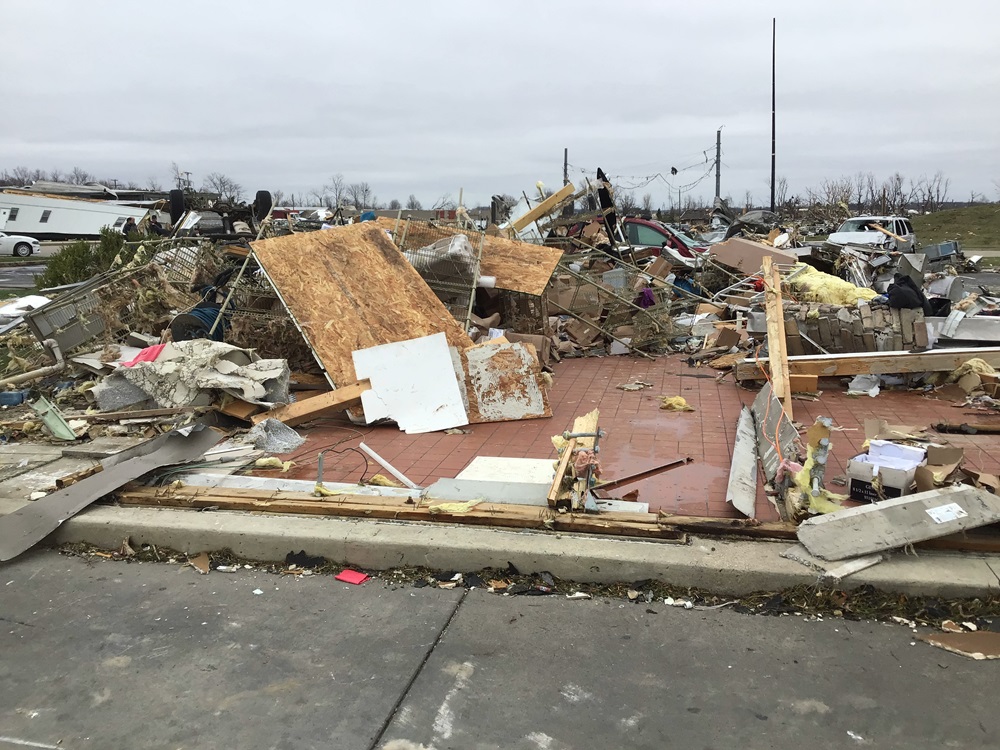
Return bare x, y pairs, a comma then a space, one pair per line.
350, 288
517, 266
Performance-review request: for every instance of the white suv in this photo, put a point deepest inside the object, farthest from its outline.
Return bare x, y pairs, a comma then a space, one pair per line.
862, 230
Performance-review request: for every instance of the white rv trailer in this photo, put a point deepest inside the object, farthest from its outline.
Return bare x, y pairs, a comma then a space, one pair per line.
45, 217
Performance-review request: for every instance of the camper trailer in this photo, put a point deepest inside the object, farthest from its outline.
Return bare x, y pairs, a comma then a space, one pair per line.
46, 217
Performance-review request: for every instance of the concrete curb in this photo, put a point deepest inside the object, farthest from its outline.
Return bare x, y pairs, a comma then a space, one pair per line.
727, 567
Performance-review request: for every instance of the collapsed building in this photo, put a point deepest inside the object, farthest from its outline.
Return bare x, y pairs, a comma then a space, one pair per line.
253, 346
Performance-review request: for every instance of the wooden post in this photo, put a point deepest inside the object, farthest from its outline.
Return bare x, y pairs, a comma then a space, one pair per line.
776, 336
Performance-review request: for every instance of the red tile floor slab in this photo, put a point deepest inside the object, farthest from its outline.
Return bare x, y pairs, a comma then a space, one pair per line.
640, 435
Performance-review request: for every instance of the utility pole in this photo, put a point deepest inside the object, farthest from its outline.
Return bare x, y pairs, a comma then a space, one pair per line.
718, 163
774, 27
566, 166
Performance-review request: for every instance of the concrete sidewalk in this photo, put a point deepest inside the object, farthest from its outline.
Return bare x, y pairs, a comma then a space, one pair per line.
719, 566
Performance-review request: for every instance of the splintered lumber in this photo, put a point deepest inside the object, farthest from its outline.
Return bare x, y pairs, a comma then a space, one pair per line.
324, 404
895, 523
517, 266
398, 508
556, 489
776, 336
350, 288
875, 363
544, 208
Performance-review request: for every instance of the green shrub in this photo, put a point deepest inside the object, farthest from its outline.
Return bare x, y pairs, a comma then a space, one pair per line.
80, 260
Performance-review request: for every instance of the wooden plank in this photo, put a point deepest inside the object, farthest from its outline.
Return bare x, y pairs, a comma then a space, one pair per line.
350, 288
363, 506
517, 266
895, 523
803, 383
742, 488
776, 336
544, 208
875, 363
317, 406
556, 489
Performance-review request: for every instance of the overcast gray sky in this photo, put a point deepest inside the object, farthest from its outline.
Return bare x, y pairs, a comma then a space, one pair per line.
429, 97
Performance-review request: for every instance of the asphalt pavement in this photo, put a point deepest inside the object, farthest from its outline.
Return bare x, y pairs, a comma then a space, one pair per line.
19, 277
103, 654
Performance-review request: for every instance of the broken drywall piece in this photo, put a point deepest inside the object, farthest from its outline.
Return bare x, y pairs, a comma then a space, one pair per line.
980, 645
413, 383
895, 523
504, 383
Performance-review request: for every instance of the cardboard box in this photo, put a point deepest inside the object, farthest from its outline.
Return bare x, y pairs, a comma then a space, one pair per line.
568, 292
542, 344
942, 461
895, 465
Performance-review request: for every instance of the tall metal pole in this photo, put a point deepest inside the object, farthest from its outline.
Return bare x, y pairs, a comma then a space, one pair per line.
774, 25
566, 166
718, 163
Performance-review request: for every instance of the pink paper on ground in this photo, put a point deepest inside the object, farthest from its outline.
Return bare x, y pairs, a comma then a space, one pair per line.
149, 354
352, 576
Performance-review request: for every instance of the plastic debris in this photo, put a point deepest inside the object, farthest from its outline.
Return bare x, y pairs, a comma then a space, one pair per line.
352, 576
274, 436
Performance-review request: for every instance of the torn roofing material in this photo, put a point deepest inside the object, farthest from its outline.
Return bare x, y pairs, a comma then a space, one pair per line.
517, 266
25, 527
350, 288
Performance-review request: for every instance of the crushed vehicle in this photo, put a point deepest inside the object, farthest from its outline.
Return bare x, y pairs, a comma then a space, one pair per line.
885, 232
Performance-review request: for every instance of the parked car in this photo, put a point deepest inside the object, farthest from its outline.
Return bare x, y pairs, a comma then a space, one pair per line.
18, 245
650, 238
861, 231
664, 240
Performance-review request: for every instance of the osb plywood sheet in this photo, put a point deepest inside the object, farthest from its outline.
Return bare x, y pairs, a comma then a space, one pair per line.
504, 383
350, 288
517, 266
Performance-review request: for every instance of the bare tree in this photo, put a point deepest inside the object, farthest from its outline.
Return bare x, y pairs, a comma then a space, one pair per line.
337, 189
277, 196
647, 203
747, 200
395, 205
444, 203
412, 204
80, 176
229, 190
625, 202
21, 176
781, 193
362, 195
932, 192
153, 184
177, 176
56, 175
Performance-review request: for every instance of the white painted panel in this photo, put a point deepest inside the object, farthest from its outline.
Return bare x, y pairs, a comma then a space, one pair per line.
413, 383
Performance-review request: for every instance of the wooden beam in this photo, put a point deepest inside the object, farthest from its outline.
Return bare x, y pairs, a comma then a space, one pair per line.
556, 489
398, 508
776, 336
803, 383
317, 406
883, 230
875, 363
544, 208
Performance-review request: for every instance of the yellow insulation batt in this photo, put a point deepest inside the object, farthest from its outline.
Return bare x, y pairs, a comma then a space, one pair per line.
811, 285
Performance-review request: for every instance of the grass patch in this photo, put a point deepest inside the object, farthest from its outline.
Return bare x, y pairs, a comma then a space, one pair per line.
973, 226
14, 293
32, 260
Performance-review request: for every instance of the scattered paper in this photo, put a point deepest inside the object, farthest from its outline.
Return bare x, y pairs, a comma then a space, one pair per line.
945, 513
201, 562
636, 386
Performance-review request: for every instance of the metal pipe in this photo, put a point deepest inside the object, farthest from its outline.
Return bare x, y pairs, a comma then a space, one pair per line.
60, 364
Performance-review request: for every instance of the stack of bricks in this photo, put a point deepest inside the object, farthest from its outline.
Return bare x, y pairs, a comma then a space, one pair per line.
868, 327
